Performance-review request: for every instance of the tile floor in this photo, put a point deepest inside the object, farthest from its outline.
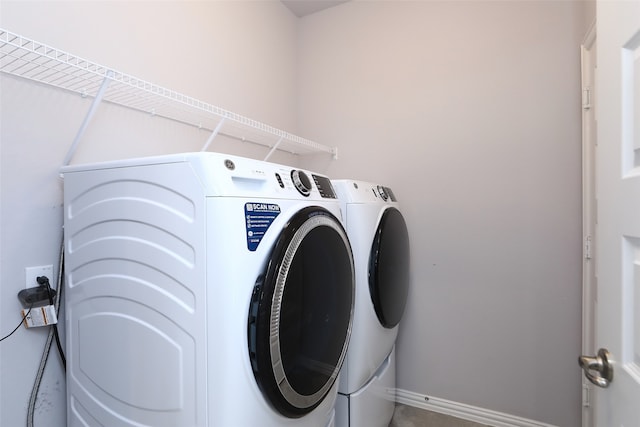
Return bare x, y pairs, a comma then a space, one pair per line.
408, 416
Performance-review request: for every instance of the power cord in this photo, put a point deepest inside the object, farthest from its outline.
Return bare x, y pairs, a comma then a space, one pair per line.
19, 324
47, 346
44, 281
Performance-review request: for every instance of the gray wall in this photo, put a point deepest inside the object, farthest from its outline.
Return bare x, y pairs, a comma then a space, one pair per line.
470, 111
238, 55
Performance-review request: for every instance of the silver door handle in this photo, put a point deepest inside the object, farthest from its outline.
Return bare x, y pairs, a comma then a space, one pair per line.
598, 369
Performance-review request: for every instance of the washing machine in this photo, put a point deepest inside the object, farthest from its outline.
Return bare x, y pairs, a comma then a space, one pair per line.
378, 234
204, 290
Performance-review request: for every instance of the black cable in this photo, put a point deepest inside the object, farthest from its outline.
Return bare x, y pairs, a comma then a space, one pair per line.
17, 327
44, 280
31, 408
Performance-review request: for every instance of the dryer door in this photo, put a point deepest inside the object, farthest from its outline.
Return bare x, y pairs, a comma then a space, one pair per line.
389, 268
301, 313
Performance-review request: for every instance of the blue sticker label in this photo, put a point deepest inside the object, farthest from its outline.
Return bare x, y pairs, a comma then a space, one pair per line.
258, 218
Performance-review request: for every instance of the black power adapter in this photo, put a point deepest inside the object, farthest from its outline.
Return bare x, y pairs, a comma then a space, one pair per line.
38, 295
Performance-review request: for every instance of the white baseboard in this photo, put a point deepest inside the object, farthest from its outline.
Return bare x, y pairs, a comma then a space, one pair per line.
465, 412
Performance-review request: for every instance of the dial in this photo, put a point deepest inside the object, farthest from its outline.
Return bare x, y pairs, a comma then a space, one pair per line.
301, 181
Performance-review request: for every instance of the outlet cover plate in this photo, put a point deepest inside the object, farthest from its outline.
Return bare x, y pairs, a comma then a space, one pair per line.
31, 273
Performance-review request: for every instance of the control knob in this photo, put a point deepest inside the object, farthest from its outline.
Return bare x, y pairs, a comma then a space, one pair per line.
301, 181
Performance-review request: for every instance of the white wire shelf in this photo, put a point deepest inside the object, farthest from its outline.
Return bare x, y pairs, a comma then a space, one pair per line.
25, 58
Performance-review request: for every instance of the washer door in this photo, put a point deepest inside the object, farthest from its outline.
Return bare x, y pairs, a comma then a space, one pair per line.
301, 313
389, 268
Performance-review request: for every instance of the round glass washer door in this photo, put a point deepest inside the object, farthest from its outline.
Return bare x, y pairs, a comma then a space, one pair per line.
389, 268
301, 313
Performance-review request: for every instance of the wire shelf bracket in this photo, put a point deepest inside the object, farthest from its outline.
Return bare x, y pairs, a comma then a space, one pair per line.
213, 135
85, 123
274, 148
31, 60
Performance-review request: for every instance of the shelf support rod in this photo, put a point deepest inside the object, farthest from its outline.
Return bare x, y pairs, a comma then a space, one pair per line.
273, 149
92, 111
213, 135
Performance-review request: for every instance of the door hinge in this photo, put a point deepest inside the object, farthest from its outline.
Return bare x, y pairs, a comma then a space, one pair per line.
586, 98
587, 247
586, 395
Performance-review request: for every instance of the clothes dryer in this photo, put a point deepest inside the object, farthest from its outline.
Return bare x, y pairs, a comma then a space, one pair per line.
204, 290
380, 241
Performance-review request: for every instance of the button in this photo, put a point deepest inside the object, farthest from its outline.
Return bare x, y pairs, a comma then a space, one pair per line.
383, 193
279, 178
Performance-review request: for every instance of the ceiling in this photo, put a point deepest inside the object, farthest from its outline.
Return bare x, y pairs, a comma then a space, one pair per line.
302, 8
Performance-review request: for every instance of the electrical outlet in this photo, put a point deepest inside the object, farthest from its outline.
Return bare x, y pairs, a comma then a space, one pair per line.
31, 273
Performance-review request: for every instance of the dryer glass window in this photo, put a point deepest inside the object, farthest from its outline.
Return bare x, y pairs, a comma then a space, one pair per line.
301, 314
389, 268
315, 310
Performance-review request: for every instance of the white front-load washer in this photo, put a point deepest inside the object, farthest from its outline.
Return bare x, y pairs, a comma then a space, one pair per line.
204, 290
380, 241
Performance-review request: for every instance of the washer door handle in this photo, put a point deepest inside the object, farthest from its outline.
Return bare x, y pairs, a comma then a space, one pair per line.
598, 369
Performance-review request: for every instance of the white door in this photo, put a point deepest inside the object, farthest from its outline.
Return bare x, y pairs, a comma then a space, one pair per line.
618, 228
